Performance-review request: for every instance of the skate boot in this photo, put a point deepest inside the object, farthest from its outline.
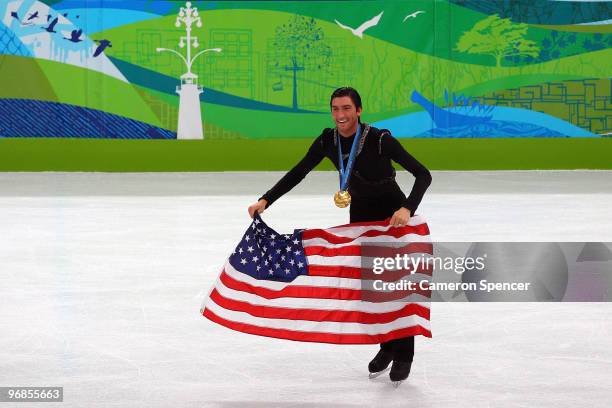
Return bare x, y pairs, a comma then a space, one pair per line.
379, 363
399, 372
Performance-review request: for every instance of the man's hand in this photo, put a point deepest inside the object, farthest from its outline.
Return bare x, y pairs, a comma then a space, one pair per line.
400, 217
259, 206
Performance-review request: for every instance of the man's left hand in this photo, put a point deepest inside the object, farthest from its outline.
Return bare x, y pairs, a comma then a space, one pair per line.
400, 217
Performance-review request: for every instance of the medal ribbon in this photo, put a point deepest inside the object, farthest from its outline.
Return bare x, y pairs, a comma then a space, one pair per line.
345, 173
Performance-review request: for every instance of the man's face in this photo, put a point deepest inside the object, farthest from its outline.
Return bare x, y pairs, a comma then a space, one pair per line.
345, 115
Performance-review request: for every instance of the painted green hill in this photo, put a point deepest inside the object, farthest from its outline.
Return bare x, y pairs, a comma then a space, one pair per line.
13, 70
56, 82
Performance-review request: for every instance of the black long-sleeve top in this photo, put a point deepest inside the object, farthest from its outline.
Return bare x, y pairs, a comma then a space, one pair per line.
372, 169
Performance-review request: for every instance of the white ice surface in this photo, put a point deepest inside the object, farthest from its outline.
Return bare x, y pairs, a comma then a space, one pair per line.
102, 277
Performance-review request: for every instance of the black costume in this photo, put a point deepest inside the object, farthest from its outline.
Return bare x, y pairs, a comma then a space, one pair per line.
374, 191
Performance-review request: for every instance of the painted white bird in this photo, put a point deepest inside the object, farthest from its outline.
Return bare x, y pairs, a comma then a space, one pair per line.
359, 30
413, 15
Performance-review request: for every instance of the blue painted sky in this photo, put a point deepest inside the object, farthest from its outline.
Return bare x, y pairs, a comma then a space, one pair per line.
93, 20
420, 122
159, 7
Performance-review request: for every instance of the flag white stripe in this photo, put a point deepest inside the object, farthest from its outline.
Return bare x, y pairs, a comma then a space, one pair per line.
355, 231
353, 261
405, 240
319, 327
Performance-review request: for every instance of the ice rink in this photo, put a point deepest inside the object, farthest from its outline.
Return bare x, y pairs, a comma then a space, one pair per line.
103, 276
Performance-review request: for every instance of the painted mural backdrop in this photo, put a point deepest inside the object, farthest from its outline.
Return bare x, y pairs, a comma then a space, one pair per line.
425, 68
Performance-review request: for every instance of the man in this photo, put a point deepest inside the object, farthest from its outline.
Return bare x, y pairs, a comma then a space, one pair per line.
368, 184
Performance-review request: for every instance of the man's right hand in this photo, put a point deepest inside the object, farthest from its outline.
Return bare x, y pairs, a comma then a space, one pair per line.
259, 206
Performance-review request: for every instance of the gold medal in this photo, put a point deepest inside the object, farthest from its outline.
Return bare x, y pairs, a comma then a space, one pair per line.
342, 198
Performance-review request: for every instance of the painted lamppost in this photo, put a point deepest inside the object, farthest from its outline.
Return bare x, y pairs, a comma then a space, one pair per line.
190, 117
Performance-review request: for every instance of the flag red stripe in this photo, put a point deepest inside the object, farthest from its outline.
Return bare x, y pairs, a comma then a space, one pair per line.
421, 229
372, 249
349, 250
339, 271
334, 338
318, 315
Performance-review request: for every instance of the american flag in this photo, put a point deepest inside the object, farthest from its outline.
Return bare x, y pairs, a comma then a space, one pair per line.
311, 285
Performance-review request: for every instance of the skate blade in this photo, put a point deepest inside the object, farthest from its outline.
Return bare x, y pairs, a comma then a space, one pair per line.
374, 375
396, 383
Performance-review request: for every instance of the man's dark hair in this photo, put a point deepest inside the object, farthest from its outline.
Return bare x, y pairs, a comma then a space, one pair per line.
347, 91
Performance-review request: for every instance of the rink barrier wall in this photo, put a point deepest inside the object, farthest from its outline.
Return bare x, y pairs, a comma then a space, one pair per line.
51, 154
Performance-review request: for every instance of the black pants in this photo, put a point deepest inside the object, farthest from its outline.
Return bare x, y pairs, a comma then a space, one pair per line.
379, 208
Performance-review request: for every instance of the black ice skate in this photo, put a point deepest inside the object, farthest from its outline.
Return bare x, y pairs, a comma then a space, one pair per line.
399, 372
379, 363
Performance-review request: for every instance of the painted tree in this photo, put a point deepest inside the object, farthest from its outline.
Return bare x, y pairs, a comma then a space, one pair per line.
498, 37
299, 47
